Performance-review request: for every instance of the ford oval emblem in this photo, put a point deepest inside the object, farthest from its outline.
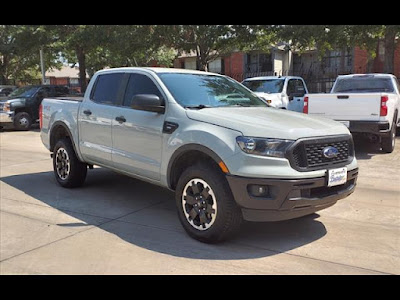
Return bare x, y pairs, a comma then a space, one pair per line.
330, 152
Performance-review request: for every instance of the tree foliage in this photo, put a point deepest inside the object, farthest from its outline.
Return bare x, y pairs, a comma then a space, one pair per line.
207, 41
19, 52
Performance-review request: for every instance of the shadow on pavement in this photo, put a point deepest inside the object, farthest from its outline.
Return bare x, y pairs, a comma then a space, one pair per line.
144, 215
365, 149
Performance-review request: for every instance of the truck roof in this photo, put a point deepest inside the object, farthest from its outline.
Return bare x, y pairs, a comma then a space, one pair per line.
367, 75
158, 70
272, 77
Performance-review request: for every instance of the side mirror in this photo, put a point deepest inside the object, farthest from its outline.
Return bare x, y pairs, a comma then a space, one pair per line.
292, 95
148, 102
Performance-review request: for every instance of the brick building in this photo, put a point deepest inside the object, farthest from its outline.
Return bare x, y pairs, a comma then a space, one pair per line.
319, 74
65, 76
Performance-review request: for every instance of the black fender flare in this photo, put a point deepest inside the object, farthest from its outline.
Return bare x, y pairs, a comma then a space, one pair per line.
184, 149
60, 123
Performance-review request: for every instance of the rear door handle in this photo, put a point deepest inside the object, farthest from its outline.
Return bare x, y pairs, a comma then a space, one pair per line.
87, 112
120, 119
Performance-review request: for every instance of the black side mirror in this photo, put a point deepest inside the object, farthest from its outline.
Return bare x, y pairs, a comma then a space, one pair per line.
292, 95
148, 102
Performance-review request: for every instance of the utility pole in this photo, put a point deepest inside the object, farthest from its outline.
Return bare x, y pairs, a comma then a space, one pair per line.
42, 65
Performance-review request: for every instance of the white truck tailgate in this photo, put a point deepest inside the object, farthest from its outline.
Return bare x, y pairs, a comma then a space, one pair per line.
344, 106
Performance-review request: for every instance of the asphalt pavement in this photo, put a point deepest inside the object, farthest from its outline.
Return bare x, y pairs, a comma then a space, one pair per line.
119, 225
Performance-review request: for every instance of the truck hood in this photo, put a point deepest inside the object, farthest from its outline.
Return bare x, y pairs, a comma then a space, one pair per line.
276, 98
268, 122
7, 99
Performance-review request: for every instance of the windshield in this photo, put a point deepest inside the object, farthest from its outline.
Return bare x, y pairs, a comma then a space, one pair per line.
24, 92
363, 85
265, 85
198, 90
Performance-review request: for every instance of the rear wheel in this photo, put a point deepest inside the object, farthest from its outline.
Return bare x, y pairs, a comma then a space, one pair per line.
68, 169
206, 208
22, 121
388, 142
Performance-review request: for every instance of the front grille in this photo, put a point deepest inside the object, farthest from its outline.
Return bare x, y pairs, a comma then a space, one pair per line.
307, 154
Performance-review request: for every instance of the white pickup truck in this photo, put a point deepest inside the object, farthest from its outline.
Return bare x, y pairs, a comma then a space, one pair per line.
366, 103
286, 92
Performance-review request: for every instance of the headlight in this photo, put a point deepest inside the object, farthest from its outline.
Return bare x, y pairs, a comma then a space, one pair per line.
6, 106
264, 147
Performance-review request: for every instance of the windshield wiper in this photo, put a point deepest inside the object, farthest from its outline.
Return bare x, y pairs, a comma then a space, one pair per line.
200, 106
239, 104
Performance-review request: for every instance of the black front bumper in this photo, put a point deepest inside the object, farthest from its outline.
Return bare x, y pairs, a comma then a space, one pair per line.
379, 128
288, 198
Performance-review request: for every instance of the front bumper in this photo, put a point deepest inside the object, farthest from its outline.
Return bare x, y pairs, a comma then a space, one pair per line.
288, 198
6, 118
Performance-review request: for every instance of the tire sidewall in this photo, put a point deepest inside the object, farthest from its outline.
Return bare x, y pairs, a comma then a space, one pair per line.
77, 172
19, 116
223, 197
389, 143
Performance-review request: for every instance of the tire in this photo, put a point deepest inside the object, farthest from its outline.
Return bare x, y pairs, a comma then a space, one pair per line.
69, 171
22, 121
388, 142
208, 214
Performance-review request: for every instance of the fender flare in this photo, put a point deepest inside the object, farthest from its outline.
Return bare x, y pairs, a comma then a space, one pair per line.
60, 123
184, 149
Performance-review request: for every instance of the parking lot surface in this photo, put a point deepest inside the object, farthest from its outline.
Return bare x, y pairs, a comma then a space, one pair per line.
119, 225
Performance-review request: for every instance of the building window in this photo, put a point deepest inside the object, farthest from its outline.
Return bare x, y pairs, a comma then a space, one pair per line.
190, 63
215, 66
381, 50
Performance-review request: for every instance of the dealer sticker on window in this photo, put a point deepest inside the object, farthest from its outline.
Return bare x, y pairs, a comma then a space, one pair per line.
337, 176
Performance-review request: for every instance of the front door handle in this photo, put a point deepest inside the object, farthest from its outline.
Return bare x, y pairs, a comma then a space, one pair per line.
87, 112
120, 119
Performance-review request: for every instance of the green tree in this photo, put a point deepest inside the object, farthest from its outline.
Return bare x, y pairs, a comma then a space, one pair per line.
329, 37
77, 42
207, 41
19, 52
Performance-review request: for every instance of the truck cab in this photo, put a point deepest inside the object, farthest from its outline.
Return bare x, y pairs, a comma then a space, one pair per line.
286, 92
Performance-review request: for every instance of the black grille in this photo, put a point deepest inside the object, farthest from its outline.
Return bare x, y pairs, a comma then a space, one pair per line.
307, 154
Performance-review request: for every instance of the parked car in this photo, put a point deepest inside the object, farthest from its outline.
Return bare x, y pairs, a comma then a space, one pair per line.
367, 104
21, 108
226, 161
285, 92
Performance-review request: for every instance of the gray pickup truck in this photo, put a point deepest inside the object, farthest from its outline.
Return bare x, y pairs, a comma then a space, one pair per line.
227, 155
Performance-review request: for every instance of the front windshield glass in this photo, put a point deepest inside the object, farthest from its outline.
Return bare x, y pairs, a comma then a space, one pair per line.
24, 92
364, 84
193, 90
265, 85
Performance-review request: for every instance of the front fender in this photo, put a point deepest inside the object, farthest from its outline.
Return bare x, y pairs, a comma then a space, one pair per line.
217, 142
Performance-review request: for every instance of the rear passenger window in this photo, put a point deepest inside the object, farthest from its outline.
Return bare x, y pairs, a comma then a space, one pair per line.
106, 88
139, 84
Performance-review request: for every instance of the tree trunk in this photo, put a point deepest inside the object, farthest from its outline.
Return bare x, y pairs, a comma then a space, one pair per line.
80, 53
388, 65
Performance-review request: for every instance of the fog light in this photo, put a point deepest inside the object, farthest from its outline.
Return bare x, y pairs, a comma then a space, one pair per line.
258, 190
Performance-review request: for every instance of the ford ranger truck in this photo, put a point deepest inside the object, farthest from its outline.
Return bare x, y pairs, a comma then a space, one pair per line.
228, 159
368, 104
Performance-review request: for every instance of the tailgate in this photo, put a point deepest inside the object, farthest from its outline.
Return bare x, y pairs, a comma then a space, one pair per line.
351, 106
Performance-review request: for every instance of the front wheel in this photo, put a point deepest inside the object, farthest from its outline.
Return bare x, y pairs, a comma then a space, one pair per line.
22, 121
206, 208
68, 169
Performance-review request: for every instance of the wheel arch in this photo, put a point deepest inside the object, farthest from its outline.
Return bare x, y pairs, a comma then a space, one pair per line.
58, 131
188, 155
